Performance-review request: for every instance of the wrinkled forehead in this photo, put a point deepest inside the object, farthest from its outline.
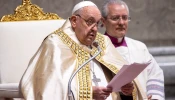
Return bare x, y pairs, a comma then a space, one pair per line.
91, 11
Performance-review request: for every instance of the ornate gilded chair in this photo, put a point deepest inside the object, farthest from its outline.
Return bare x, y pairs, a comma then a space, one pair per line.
20, 36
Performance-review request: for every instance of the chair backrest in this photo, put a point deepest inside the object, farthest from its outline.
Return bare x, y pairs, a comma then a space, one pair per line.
21, 34
18, 42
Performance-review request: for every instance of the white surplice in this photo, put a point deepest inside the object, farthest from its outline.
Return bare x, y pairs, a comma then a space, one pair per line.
152, 78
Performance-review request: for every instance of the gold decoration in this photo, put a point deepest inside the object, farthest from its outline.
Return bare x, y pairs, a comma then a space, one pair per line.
84, 79
83, 76
28, 11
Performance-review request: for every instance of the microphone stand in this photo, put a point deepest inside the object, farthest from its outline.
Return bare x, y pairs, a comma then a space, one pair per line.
70, 93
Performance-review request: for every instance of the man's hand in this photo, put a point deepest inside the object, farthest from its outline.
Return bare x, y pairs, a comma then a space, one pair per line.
127, 89
101, 93
149, 97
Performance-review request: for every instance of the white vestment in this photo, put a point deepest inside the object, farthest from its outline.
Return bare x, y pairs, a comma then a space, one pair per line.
152, 78
49, 71
95, 66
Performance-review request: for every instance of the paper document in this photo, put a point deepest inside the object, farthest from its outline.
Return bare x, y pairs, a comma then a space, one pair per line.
126, 74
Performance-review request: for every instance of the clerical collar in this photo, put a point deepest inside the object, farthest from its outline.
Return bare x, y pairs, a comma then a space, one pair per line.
117, 42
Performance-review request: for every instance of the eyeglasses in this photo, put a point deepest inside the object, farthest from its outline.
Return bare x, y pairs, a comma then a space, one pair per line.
117, 18
91, 22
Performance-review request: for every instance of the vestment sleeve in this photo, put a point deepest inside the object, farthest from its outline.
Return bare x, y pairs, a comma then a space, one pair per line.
155, 79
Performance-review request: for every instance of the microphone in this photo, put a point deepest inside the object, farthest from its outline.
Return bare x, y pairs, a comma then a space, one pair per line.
70, 93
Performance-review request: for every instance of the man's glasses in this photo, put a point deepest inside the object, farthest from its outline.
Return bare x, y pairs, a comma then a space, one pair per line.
91, 22
117, 18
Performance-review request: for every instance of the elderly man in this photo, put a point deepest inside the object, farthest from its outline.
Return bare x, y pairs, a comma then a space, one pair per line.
115, 15
64, 51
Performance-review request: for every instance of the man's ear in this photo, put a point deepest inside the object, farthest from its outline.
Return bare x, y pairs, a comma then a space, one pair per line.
103, 21
73, 20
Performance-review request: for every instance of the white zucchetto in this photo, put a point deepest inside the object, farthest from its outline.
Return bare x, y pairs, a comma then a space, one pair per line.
82, 4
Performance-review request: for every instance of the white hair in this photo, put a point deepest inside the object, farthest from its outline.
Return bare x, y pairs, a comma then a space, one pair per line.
104, 10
